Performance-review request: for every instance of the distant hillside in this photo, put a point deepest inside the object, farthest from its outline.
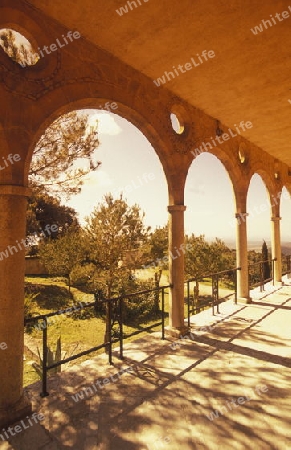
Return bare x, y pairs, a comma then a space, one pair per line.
286, 248
257, 246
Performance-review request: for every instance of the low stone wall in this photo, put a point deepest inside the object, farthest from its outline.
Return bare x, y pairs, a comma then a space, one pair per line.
33, 266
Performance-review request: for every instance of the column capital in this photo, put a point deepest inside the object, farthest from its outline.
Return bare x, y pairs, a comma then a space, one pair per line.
276, 218
8, 189
174, 208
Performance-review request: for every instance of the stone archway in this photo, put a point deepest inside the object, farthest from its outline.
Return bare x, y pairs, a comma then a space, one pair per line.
96, 104
273, 185
237, 173
80, 74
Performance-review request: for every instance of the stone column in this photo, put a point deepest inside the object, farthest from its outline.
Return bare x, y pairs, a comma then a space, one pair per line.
13, 405
176, 269
243, 294
276, 249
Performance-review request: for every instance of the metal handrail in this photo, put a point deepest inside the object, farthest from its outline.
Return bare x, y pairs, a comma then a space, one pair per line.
118, 301
215, 290
209, 275
288, 264
263, 280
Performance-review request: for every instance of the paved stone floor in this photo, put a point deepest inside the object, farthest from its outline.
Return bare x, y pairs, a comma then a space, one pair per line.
180, 396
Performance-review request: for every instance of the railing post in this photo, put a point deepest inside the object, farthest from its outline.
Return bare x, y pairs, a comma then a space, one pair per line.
217, 295
121, 328
163, 313
212, 280
214, 293
44, 392
110, 331
235, 285
262, 277
188, 302
196, 296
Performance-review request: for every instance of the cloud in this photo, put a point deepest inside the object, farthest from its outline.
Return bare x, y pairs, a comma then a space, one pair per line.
106, 123
100, 178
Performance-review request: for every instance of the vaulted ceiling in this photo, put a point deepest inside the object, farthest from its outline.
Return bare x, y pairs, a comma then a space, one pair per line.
249, 77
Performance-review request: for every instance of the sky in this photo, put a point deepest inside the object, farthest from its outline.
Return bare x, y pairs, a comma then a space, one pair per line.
130, 165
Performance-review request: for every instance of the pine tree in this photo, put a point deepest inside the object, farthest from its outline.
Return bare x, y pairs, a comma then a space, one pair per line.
266, 264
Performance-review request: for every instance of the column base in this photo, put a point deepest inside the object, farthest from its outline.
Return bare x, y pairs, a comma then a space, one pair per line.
244, 300
16, 412
176, 332
279, 283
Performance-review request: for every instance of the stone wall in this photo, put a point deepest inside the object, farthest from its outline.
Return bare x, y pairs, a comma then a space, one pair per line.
33, 266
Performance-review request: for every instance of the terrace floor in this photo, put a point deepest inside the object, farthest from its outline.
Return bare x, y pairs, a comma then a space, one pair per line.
165, 403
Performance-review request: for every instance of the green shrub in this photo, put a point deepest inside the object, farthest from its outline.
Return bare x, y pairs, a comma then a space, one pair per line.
30, 309
141, 307
30, 305
81, 275
138, 308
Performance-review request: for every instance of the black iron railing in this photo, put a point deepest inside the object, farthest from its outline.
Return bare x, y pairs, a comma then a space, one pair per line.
114, 316
286, 264
196, 303
258, 273
114, 308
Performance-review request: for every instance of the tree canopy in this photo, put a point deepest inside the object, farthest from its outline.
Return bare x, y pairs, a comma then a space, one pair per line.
45, 210
158, 241
61, 255
203, 258
266, 264
113, 230
53, 172
64, 154
19, 52
67, 141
